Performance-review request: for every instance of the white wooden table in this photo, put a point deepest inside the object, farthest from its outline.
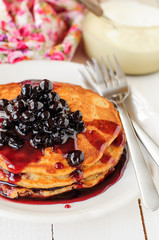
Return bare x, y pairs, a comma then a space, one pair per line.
132, 222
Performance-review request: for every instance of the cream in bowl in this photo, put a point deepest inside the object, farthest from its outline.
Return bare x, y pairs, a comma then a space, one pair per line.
132, 35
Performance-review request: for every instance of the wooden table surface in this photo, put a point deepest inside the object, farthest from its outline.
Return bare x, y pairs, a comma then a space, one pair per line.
132, 222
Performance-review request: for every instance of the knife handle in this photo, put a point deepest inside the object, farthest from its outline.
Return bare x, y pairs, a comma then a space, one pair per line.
147, 141
147, 187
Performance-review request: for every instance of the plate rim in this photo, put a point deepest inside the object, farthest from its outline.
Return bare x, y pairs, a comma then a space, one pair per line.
74, 216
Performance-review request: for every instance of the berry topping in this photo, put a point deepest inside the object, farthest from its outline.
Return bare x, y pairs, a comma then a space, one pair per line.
3, 138
35, 92
45, 86
55, 96
19, 105
41, 118
23, 129
28, 116
75, 158
15, 143
76, 116
14, 116
19, 97
3, 103
62, 121
45, 115
9, 109
79, 127
70, 131
35, 105
48, 126
55, 107
7, 125
37, 127
26, 90
64, 104
78, 174
57, 138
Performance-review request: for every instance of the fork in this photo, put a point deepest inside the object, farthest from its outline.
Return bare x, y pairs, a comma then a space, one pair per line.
115, 87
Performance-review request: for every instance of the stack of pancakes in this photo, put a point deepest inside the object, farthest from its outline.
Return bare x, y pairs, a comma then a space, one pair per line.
102, 143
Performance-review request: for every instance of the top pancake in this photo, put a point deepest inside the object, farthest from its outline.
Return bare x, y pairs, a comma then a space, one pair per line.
103, 126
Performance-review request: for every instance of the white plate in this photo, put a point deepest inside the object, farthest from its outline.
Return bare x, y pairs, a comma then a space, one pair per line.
120, 194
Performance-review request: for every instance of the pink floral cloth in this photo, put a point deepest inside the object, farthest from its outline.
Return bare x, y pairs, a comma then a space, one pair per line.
39, 29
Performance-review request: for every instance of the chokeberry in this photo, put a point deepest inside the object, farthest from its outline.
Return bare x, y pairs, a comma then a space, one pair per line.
35, 105
9, 109
76, 116
3, 103
55, 96
19, 105
23, 129
37, 127
79, 126
3, 137
45, 115
7, 125
15, 116
28, 116
45, 86
15, 143
62, 122
75, 158
26, 90
55, 107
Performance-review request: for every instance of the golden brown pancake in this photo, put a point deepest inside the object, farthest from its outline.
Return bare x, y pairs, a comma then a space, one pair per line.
102, 143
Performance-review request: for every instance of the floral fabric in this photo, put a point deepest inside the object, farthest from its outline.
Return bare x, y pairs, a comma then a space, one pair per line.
39, 29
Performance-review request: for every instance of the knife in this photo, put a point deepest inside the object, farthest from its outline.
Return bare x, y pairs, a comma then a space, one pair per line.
147, 142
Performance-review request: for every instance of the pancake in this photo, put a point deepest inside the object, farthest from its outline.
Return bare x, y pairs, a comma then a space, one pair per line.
102, 143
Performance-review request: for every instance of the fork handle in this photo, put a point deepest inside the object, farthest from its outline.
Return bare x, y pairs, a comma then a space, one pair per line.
148, 190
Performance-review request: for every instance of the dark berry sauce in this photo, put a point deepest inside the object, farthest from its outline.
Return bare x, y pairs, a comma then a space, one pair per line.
106, 158
67, 206
120, 140
59, 165
69, 146
17, 160
105, 126
81, 194
12, 178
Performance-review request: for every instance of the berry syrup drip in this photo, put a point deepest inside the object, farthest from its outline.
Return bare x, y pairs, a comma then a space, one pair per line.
17, 160
11, 177
120, 140
59, 165
106, 158
105, 126
1, 120
67, 206
77, 174
95, 139
69, 146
